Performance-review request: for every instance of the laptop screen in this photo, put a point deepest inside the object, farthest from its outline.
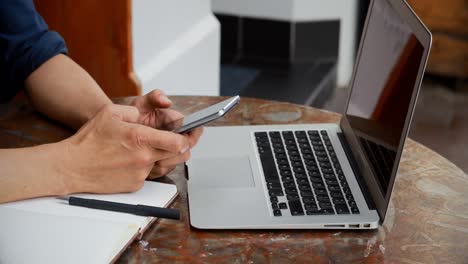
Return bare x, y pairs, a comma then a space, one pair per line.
383, 86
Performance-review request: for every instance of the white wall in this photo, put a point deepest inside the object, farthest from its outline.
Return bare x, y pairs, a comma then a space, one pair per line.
176, 46
305, 10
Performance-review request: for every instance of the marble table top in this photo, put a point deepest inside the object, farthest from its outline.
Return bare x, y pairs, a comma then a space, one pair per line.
427, 221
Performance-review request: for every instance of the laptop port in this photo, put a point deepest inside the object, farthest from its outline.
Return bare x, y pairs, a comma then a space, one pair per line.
335, 226
354, 225
367, 225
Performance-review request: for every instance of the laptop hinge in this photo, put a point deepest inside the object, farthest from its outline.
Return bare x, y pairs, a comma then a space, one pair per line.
357, 171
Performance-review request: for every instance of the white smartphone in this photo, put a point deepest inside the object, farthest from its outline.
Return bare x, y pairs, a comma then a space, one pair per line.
203, 116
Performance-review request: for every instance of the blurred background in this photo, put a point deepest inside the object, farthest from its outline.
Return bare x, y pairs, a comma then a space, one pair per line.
299, 51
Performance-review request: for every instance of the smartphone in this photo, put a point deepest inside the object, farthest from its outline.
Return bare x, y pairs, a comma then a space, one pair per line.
203, 116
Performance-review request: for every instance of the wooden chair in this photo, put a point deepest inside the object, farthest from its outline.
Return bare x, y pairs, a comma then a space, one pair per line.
448, 22
99, 38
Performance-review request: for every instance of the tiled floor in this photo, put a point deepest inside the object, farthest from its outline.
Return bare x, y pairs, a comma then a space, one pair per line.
440, 121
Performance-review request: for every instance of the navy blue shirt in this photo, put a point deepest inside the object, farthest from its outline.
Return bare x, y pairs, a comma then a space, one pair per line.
25, 44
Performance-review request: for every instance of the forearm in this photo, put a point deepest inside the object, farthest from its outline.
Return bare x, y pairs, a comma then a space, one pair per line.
31, 172
65, 92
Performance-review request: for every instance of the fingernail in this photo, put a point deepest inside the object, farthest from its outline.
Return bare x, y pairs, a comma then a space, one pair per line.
184, 150
165, 99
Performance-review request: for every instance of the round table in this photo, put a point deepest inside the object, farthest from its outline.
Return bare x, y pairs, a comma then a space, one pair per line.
427, 220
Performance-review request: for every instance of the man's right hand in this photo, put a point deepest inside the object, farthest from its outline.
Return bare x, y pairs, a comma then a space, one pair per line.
112, 153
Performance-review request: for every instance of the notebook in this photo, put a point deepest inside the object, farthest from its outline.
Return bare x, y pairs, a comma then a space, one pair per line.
48, 230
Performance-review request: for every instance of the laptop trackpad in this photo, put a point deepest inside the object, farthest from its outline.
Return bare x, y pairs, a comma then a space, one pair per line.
222, 172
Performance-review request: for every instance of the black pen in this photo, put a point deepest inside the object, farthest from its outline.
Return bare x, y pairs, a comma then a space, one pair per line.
143, 210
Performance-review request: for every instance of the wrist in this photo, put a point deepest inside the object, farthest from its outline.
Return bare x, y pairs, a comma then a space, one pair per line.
92, 112
62, 167
45, 168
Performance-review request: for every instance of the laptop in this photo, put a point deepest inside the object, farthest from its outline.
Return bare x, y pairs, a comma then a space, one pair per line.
320, 176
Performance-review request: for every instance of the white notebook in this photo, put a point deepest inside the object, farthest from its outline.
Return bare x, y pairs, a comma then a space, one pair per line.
48, 230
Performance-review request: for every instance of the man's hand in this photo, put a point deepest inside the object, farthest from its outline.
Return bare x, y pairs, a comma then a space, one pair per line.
113, 153
154, 112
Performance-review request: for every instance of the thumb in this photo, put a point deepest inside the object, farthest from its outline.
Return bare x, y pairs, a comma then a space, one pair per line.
152, 100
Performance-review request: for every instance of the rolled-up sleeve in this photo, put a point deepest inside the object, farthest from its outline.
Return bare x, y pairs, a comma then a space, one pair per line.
25, 44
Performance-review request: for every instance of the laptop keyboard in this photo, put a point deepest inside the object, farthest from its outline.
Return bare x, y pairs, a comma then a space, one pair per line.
303, 174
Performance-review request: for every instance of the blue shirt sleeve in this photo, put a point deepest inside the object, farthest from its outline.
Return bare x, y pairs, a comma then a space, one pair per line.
25, 44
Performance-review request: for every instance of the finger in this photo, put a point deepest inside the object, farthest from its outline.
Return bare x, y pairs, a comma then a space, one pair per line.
167, 118
194, 136
170, 114
157, 172
152, 100
159, 154
124, 113
159, 139
165, 166
173, 161
158, 99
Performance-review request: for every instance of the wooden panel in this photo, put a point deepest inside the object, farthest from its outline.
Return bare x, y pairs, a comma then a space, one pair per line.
449, 16
448, 22
449, 56
99, 38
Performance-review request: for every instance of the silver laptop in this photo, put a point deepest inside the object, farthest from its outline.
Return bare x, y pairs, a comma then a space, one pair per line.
320, 175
